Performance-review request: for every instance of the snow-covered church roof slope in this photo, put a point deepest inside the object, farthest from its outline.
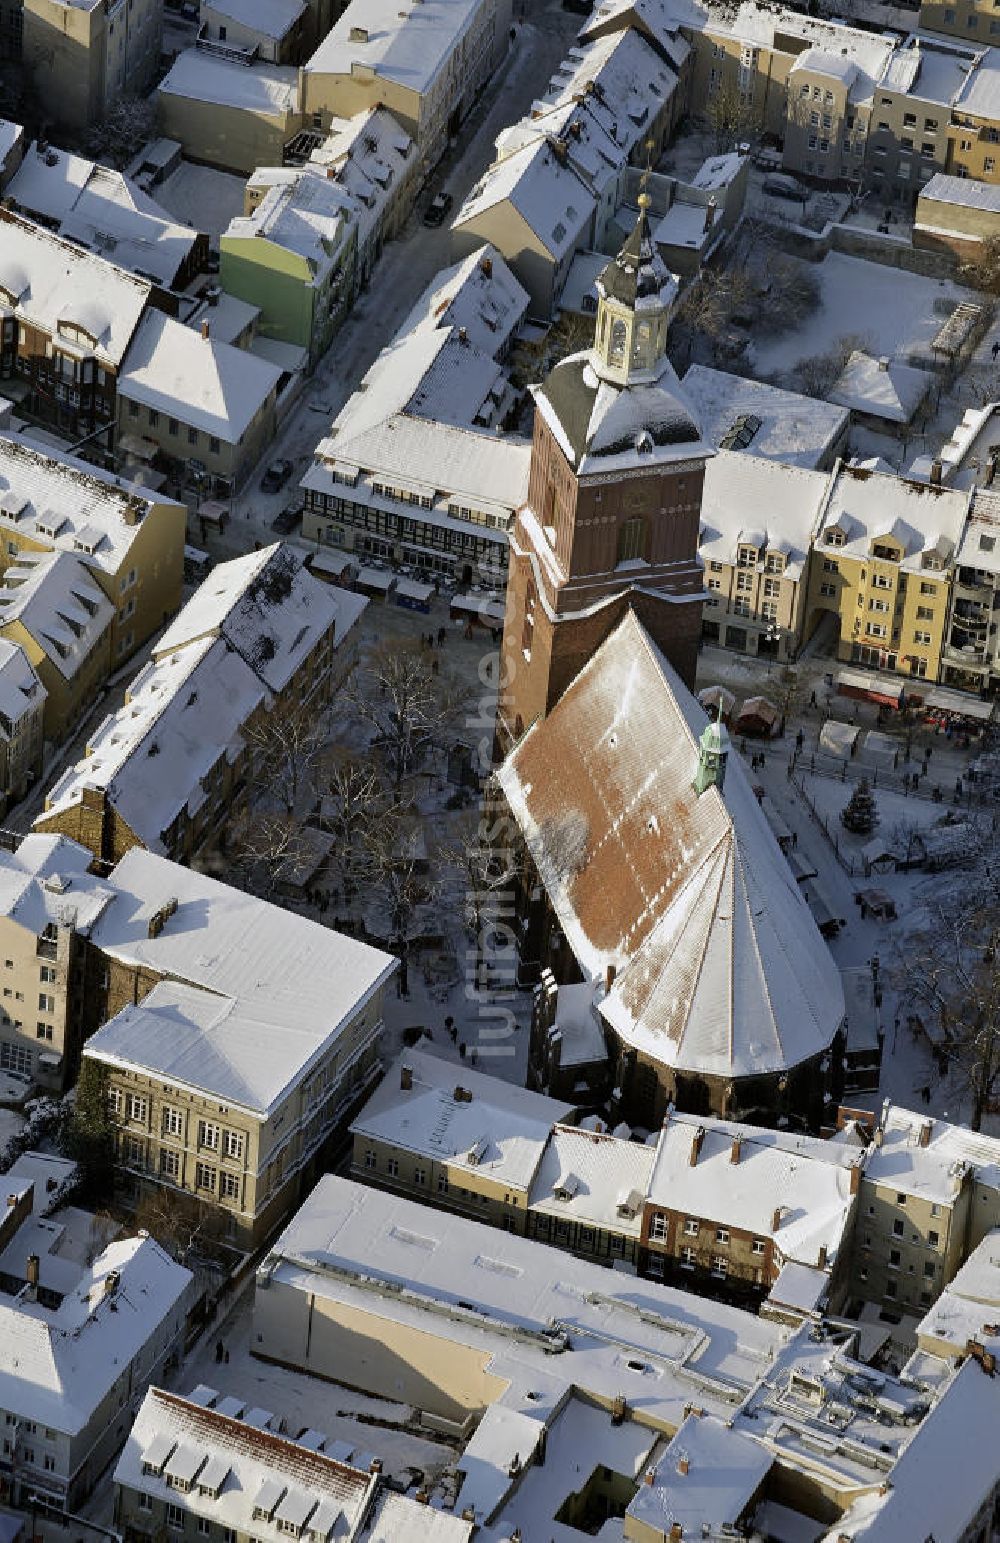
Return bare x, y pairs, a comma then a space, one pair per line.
720, 969
604, 427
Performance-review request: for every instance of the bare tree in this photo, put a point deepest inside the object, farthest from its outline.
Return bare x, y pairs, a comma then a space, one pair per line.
817, 374
177, 1221
407, 706
486, 878
732, 117
707, 307
356, 805
271, 848
123, 132
286, 745
984, 271
950, 977
400, 880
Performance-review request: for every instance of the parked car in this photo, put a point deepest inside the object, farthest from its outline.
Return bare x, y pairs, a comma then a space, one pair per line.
438, 208
784, 187
286, 521
276, 476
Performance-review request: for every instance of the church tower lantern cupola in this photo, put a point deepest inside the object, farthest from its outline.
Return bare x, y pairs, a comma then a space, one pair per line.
636, 294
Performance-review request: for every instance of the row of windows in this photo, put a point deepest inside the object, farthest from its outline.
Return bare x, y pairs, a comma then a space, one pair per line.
211, 1136
692, 1229
174, 427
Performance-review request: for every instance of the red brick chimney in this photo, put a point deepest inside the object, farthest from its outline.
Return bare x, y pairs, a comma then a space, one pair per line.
696, 1144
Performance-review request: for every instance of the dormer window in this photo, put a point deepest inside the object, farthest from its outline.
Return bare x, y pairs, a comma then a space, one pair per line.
746, 557
887, 554
775, 563
835, 536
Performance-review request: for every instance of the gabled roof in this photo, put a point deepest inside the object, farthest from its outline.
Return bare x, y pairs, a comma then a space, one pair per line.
478, 294
20, 689
721, 969
547, 194
52, 280
212, 386
59, 603
270, 610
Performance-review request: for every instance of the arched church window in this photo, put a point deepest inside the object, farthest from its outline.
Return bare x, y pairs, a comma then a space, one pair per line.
642, 343
619, 337
528, 624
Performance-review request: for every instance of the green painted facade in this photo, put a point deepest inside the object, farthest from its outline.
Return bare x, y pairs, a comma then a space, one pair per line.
295, 306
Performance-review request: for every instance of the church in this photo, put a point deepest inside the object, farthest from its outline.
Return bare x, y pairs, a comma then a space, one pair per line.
682, 964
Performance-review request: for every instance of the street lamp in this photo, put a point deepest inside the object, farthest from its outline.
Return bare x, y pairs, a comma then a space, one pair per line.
772, 634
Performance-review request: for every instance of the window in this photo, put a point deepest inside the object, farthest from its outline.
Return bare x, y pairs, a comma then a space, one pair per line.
371, 1161
392, 1167
115, 1101
230, 1186
923, 638
170, 1164
442, 1184
772, 588
894, 1258
897, 1229
759, 1246
420, 1177
192, 436
47, 974
136, 1107
720, 1266
43, 1031
931, 589
929, 1269
205, 1176
154, 417
204, 1525
213, 444
688, 1259
722, 1234
173, 1122
133, 409
233, 1144
891, 1288
46, 1003
932, 1239
744, 581
144, 1502
175, 1518
925, 613
632, 541
691, 1227
658, 1227
208, 1135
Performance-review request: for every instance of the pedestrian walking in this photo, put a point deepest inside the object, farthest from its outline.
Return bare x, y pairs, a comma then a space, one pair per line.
995, 350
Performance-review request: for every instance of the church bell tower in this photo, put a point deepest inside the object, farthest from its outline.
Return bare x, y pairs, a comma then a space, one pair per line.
614, 498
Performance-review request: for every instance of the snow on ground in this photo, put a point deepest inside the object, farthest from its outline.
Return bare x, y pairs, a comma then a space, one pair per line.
372, 1426
202, 197
10, 1124
895, 310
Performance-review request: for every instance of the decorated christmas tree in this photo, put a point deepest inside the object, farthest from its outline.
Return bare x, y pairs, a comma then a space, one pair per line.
861, 815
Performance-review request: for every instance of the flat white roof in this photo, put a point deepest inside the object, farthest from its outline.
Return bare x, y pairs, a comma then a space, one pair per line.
269, 89
513, 1298
967, 191
272, 20
934, 1171
409, 47
757, 419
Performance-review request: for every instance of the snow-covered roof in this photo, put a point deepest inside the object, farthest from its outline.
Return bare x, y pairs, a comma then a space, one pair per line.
268, 608
209, 385
371, 156
303, 978
740, 488
604, 427
590, 138
967, 191
543, 190
218, 1045
21, 691
272, 20
229, 318
58, 1367
926, 521
51, 280
881, 388
980, 543
625, 73
412, 48
232, 1462
99, 208
807, 1179
931, 70
946, 1476
400, 1519
348, 1239
479, 294
721, 969
755, 23
415, 424
933, 1171
272, 90
968, 1302
980, 95
60, 604
307, 215
590, 1177
47, 879
736, 413
708, 1476
153, 754
499, 1132
83, 510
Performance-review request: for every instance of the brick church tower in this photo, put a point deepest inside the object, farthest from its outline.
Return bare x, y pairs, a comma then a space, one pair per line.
614, 499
